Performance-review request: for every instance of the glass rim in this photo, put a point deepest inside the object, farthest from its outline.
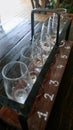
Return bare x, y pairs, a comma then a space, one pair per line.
22, 53
63, 10
13, 62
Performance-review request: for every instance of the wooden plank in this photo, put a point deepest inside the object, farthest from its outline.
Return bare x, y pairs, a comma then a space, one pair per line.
43, 104
61, 117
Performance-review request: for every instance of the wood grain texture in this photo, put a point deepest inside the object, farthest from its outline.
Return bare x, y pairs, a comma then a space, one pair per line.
61, 117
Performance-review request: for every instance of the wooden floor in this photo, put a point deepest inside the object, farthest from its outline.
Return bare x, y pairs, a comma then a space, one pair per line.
13, 12
15, 8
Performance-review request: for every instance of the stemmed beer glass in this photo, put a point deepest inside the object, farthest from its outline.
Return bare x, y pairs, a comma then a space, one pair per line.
44, 40
26, 57
37, 58
17, 82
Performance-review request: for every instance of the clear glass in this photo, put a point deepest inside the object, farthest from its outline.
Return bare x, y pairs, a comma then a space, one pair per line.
39, 50
55, 23
45, 40
17, 82
63, 13
26, 57
37, 58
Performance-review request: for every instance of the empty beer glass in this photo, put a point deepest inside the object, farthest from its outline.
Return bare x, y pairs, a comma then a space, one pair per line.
17, 82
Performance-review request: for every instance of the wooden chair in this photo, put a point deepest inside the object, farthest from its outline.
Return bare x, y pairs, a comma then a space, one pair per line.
35, 3
38, 3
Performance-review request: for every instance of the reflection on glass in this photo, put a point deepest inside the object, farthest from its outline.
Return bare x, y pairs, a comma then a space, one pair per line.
26, 57
17, 82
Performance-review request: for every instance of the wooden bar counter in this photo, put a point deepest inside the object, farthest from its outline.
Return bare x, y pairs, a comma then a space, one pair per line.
50, 104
